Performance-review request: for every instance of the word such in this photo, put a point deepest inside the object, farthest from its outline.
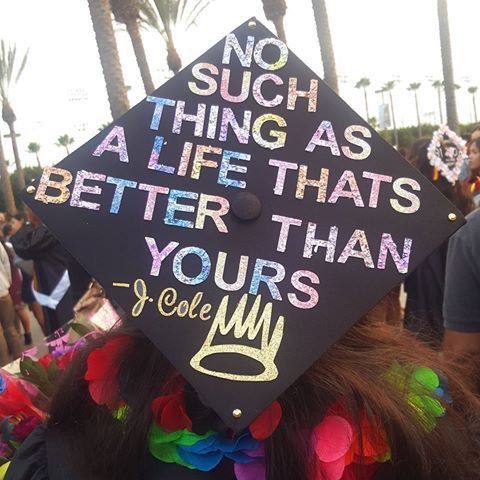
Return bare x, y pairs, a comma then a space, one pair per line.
247, 86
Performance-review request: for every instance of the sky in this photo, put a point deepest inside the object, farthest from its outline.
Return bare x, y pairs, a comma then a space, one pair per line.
62, 90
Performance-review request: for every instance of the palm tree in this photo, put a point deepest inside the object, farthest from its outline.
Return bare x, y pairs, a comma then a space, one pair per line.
101, 16
275, 11
34, 147
413, 87
364, 82
473, 91
64, 141
165, 15
325, 41
438, 86
10, 74
388, 87
128, 13
5, 184
447, 64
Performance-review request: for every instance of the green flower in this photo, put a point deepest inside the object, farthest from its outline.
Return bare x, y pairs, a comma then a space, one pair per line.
121, 413
419, 388
163, 445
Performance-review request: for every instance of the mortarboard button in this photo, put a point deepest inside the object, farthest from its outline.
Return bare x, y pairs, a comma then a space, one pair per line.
246, 206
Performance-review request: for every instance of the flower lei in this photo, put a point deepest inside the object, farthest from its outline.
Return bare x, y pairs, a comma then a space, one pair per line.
18, 413
447, 152
340, 448
475, 185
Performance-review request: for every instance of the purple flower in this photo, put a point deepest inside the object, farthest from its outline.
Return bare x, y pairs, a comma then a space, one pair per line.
23, 428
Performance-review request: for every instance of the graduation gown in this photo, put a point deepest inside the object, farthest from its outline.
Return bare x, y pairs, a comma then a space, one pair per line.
425, 288
44, 456
50, 264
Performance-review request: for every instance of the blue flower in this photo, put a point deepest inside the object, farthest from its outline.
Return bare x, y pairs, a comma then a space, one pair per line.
3, 384
206, 454
442, 391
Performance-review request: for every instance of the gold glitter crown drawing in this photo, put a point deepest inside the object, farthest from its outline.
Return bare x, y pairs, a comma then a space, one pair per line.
247, 329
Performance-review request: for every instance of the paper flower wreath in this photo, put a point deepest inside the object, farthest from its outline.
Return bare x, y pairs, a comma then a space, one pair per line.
447, 152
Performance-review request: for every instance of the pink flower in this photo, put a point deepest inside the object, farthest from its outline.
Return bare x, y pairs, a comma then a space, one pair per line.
23, 429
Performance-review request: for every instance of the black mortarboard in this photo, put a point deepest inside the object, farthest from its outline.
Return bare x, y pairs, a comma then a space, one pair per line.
245, 216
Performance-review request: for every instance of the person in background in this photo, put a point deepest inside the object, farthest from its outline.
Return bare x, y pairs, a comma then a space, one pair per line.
9, 337
474, 167
461, 306
15, 290
79, 277
475, 133
465, 171
33, 241
425, 286
26, 270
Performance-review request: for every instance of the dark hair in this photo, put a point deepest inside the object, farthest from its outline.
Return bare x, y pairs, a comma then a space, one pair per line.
476, 128
475, 142
6, 229
20, 217
353, 369
458, 194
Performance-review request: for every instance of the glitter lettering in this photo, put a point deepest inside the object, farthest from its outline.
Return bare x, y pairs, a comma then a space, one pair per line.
282, 170
157, 113
106, 144
331, 143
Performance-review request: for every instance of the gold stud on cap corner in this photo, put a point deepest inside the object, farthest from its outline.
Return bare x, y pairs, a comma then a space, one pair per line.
237, 413
31, 189
452, 217
252, 24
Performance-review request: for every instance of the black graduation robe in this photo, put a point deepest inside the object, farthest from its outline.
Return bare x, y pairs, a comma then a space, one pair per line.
50, 263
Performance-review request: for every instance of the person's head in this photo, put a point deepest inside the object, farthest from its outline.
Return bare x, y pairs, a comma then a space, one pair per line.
16, 222
6, 230
458, 195
475, 134
354, 370
403, 151
474, 156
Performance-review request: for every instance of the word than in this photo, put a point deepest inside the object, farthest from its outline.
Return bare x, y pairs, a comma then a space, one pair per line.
357, 246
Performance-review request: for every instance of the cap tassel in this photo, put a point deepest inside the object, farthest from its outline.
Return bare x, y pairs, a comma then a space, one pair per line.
435, 174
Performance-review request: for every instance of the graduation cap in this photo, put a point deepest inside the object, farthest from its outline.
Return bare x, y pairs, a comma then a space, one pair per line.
245, 217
